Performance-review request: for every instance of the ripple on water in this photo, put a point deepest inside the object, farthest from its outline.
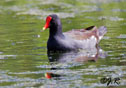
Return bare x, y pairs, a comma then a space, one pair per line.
69, 10
122, 36
119, 10
6, 56
1, 52
45, 13
116, 18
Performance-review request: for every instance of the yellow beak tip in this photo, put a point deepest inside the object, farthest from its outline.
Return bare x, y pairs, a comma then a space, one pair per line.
44, 28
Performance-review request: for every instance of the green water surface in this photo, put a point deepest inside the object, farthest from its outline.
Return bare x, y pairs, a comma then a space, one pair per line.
23, 53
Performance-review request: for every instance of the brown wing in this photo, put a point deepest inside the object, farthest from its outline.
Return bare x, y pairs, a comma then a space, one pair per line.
82, 34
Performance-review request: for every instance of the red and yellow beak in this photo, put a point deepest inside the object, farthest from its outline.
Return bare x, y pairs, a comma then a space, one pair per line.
48, 19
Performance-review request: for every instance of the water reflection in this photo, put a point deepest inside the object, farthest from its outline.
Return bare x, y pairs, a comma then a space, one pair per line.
77, 56
55, 76
71, 58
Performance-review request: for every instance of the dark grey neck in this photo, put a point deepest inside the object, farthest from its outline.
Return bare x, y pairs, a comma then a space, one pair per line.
55, 31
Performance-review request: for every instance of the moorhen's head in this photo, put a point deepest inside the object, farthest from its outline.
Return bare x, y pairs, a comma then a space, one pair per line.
52, 22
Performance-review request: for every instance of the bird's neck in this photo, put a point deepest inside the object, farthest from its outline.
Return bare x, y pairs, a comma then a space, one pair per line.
55, 31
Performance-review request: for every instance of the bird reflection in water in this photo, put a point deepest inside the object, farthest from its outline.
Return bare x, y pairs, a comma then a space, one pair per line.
77, 56
80, 56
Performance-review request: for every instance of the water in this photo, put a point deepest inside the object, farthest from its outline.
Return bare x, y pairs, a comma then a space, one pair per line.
23, 54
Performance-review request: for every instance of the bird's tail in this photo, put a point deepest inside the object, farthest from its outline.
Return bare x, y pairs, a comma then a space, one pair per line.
102, 30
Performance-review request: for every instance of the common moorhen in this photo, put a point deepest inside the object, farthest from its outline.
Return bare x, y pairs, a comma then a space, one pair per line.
72, 40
